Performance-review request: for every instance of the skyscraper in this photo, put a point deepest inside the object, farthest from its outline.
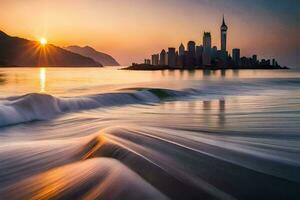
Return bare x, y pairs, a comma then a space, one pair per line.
273, 62
172, 57
236, 56
191, 59
199, 52
162, 58
224, 53
177, 60
155, 59
254, 59
206, 58
181, 50
192, 48
180, 57
224, 29
214, 52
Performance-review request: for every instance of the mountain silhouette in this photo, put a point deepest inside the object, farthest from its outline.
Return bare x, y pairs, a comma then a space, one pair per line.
104, 59
20, 52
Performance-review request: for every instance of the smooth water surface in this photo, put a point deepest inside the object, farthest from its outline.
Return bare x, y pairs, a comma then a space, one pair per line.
91, 133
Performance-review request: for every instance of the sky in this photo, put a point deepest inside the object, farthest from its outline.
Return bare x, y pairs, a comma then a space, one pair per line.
131, 30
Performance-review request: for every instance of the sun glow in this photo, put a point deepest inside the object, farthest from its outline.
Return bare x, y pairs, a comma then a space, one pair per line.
43, 41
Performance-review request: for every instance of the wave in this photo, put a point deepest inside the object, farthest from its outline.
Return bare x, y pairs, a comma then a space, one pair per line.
161, 163
36, 106
185, 167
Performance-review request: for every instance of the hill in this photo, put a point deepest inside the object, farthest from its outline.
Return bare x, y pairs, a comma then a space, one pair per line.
104, 59
15, 51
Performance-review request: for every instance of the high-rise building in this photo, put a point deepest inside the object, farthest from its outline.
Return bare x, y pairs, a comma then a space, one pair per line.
254, 58
214, 52
191, 54
181, 50
236, 56
177, 59
155, 59
199, 52
147, 61
224, 53
192, 48
186, 60
172, 57
206, 58
180, 57
273, 62
224, 29
162, 58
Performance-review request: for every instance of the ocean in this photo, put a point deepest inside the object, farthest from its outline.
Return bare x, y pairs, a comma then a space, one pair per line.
105, 133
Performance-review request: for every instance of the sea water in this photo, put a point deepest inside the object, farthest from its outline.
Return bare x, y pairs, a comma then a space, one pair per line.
105, 133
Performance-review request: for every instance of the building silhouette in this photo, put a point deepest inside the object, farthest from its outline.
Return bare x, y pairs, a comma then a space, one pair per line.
206, 55
224, 30
163, 58
254, 58
172, 57
180, 57
199, 52
191, 58
181, 50
178, 63
273, 62
147, 61
155, 59
236, 56
192, 48
214, 53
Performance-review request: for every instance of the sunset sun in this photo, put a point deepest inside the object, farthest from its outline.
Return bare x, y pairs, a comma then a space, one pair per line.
43, 41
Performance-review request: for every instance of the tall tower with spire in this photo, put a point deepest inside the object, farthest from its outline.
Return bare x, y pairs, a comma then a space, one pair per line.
224, 29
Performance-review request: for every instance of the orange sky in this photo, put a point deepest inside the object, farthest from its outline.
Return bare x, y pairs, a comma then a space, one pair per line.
130, 30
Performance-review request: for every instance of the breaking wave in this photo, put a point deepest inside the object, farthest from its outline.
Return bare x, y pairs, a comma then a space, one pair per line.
38, 106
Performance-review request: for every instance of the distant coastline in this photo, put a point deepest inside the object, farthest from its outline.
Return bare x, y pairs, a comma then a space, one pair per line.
149, 67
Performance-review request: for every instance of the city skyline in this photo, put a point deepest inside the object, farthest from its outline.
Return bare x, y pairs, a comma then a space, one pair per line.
204, 55
130, 30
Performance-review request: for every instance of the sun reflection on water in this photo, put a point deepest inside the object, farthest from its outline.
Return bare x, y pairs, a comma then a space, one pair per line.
43, 79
